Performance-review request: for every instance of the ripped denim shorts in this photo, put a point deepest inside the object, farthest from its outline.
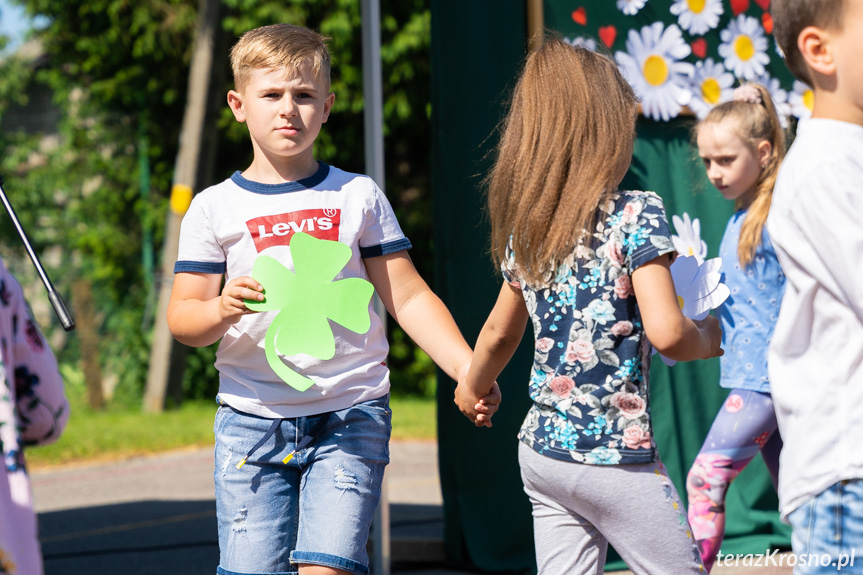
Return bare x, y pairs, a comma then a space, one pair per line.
315, 509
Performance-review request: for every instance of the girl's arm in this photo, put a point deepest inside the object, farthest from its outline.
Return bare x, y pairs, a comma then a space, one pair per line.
198, 315
673, 334
497, 342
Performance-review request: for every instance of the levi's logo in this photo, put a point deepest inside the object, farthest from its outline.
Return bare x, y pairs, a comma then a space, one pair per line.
277, 230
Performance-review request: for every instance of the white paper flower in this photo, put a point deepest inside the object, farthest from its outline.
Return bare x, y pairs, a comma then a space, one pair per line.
652, 64
697, 16
582, 42
779, 96
778, 49
688, 240
744, 47
710, 85
699, 288
630, 7
801, 100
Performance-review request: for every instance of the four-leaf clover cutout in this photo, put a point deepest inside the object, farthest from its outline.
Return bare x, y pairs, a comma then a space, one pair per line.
307, 300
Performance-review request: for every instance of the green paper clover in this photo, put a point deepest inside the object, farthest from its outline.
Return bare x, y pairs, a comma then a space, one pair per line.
307, 300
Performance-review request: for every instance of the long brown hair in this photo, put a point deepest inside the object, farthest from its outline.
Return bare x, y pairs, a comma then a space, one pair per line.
756, 122
568, 131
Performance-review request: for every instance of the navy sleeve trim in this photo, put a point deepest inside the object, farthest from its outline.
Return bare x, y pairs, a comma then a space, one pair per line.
200, 267
384, 249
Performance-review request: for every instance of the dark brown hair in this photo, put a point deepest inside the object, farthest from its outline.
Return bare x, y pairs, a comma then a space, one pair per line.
568, 131
790, 17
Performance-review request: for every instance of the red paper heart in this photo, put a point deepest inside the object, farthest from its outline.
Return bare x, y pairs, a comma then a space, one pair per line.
765, 4
738, 6
607, 34
579, 16
699, 48
767, 21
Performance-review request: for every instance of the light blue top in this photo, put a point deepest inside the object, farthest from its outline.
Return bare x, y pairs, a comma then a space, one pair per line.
749, 314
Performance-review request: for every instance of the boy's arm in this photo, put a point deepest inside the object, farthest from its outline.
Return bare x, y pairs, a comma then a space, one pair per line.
198, 315
673, 334
500, 336
420, 312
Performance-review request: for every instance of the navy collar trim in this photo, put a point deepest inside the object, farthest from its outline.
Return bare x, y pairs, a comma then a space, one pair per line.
269, 189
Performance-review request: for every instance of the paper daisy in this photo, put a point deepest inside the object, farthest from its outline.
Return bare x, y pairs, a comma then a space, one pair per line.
710, 85
652, 64
630, 7
582, 42
698, 285
744, 47
801, 100
688, 240
778, 95
699, 288
697, 16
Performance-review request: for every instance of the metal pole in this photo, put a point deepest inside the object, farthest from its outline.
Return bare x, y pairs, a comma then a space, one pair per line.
535, 23
56, 301
374, 144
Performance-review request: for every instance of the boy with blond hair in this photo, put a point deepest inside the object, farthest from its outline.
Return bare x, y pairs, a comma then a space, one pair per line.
816, 225
305, 502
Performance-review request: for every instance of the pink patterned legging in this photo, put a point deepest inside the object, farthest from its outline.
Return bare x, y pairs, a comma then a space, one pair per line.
745, 425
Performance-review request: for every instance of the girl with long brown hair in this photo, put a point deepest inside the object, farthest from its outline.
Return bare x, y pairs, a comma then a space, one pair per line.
588, 265
741, 143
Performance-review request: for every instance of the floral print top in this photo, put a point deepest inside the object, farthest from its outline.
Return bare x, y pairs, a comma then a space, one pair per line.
33, 411
589, 381
749, 315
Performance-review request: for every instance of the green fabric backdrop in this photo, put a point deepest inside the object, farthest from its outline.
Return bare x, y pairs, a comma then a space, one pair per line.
477, 51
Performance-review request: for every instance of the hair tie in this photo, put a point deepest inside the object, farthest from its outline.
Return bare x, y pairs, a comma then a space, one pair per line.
747, 93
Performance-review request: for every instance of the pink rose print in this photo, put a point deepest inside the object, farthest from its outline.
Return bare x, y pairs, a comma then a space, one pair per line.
581, 350
636, 438
562, 385
623, 287
630, 405
615, 253
544, 344
734, 403
630, 213
621, 328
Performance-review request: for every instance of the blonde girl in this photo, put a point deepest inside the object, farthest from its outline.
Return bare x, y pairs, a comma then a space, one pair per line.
741, 144
588, 265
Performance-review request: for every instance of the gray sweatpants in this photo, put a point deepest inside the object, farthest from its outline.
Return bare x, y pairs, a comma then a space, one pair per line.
579, 509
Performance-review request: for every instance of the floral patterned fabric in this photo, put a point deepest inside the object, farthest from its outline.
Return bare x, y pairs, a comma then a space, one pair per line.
33, 411
589, 381
749, 315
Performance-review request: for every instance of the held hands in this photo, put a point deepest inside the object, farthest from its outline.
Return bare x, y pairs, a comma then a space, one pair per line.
478, 408
231, 304
711, 334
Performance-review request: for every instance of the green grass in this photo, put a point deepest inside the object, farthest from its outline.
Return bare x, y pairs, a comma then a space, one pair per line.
117, 432
414, 418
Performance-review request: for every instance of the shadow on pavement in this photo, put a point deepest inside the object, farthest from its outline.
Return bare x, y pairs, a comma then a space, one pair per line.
134, 538
145, 537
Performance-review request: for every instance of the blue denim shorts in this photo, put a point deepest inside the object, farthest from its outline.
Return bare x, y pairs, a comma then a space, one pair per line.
315, 509
827, 530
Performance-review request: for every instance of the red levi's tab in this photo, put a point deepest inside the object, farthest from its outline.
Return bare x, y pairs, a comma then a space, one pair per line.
277, 230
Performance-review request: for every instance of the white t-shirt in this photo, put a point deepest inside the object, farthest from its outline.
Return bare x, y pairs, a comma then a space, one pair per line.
230, 224
816, 355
